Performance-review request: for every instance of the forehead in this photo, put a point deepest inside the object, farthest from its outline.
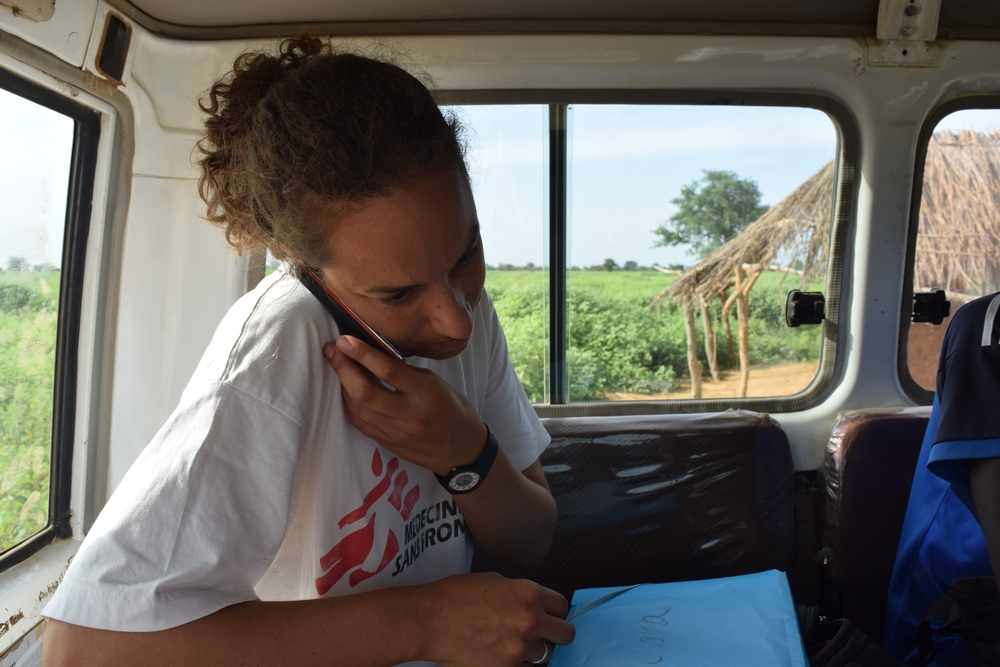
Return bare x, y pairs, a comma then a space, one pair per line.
407, 237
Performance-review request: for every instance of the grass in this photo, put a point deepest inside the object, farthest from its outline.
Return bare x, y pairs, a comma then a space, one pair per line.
28, 311
618, 344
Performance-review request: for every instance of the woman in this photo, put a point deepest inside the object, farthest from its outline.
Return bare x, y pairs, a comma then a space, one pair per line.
296, 512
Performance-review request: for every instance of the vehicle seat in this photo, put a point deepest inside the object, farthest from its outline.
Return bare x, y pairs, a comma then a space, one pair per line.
665, 499
867, 473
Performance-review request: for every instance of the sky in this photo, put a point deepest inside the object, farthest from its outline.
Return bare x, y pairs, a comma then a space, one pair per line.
629, 162
35, 147
626, 165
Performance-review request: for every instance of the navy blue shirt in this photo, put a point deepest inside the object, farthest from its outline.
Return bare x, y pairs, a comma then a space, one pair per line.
941, 539
968, 389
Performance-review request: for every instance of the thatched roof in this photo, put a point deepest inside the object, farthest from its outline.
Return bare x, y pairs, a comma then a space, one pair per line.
956, 246
798, 226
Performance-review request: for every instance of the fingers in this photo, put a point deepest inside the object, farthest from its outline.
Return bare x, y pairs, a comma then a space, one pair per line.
554, 628
361, 387
558, 631
378, 363
541, 656
553, 603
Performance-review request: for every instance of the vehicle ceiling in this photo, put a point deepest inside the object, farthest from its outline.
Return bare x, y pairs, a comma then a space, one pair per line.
969, 19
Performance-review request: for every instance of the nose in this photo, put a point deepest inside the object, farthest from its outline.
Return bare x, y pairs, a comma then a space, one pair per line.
450, 312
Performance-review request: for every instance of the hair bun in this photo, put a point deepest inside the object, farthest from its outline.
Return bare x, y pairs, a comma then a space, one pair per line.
291, 132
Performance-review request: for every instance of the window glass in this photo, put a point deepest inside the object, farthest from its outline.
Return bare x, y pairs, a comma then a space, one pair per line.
506, 156
958, 225
36, 145
651, 192
657, 189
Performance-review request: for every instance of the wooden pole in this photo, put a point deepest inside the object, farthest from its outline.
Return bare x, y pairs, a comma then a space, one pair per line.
729, 330
694, 367
742, 315
706, 323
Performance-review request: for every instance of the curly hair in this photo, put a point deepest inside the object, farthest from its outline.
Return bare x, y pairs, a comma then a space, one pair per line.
312, 128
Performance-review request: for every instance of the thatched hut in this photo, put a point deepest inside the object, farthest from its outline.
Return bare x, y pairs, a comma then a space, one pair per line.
960, 215
956, 245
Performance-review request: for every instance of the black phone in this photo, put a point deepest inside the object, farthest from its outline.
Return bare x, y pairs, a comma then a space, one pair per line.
347, 320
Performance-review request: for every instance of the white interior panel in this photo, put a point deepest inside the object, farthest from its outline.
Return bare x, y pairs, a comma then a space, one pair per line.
66, 35
180, 278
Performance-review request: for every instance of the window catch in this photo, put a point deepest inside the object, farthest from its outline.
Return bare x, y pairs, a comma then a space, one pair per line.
931, 306
804, 308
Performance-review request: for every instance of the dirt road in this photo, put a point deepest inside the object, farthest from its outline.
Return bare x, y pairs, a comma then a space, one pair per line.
773, 380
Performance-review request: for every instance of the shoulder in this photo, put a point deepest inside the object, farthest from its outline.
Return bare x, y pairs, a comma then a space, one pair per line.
968, 323
269, 345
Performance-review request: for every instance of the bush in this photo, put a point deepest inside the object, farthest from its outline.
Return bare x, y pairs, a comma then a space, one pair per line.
18, 297
617, 343
27, 364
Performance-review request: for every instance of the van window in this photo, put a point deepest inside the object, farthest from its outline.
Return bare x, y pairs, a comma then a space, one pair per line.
49, 144
650, 192
507, 151
37, 146
958, 226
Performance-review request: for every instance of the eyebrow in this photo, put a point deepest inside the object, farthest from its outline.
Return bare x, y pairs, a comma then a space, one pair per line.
387, 290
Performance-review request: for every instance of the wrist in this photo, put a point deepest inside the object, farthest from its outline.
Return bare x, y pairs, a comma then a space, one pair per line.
427, 609
414, 612
467, 478
466, 451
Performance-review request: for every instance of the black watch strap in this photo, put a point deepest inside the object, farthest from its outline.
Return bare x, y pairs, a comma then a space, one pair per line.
465, 479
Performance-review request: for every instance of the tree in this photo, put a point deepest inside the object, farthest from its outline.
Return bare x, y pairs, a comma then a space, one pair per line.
609, 264
711, 212
631, 266
17, 264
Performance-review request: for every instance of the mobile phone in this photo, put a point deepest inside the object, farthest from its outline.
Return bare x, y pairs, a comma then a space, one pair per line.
347, 320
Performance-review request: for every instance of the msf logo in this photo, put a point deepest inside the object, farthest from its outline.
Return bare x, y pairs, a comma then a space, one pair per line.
350, 553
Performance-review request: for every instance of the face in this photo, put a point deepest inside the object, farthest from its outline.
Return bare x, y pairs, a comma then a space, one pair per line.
411, 265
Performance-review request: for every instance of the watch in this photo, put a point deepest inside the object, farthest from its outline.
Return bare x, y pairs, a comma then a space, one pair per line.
465, 479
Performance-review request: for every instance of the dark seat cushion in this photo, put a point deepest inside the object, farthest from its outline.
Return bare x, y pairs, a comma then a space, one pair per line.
867, 474
665, 499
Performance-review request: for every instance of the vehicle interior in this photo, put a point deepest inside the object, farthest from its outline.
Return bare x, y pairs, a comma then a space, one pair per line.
868, 129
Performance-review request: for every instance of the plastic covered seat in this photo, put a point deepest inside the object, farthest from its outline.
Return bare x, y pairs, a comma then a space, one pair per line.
665, 499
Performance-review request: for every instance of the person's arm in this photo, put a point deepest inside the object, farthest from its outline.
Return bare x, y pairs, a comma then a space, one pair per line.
984, 477
469, 620
426, 421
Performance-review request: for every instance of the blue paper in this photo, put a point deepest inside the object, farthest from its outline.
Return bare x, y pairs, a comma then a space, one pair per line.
748, 621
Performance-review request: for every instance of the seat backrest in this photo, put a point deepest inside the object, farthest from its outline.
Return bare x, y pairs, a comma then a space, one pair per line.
867, 475
665, 499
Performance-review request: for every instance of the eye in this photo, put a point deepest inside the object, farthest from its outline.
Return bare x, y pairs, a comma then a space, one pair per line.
396, 298
464, 259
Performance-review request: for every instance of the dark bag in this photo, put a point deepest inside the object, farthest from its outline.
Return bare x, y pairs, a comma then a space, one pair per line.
838, 644
972, 607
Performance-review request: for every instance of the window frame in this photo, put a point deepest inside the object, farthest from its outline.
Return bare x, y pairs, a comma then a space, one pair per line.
79, 208
846, 188
911, 388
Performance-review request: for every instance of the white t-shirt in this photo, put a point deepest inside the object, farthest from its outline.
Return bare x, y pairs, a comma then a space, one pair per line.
258, 487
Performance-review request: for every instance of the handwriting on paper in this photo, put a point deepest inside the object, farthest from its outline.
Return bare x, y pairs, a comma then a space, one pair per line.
652, 626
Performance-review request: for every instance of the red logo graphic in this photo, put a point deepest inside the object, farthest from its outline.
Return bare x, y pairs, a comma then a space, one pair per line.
353, 549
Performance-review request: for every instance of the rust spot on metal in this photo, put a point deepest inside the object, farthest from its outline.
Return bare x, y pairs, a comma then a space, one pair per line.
51, 588
10, 622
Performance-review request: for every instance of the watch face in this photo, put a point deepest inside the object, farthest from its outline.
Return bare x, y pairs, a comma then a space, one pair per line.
464, 481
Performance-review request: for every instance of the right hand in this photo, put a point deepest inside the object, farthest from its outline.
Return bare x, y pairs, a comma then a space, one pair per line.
486, 620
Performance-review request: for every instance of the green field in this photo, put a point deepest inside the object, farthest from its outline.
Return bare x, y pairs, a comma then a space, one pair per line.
617, 343
28, 309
